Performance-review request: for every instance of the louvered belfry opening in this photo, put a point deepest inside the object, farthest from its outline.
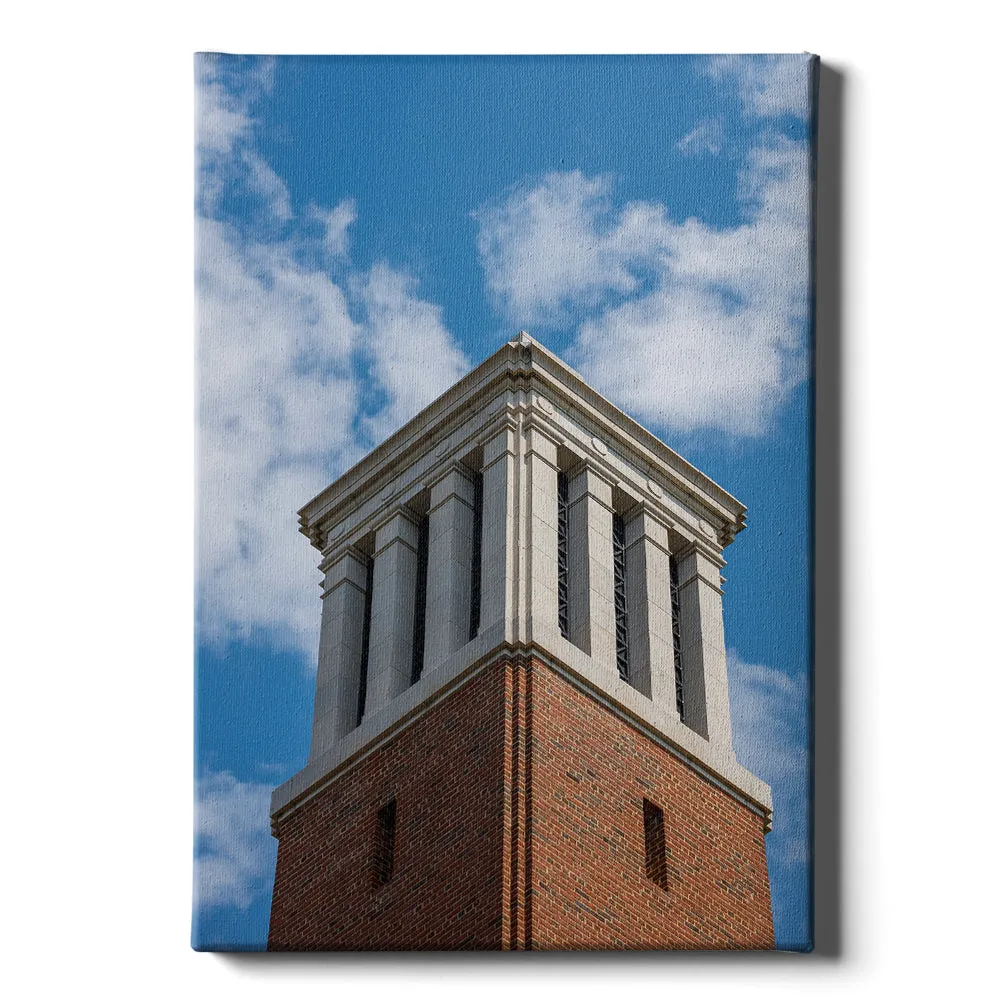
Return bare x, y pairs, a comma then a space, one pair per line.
384, 859
621, 596
420, 601
656, 843
562, 549
366, 636
476, 589
675, 621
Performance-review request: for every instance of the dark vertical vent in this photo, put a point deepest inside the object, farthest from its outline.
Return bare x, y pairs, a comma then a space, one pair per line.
675, 619
385, 843
475, 601
420, 602
366, 634
563, 552
656, 843
621, 606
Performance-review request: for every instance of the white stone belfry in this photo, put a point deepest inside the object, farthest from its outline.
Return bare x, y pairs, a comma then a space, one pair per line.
521, 513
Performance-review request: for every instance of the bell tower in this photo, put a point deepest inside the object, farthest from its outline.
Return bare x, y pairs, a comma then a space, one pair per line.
521, 734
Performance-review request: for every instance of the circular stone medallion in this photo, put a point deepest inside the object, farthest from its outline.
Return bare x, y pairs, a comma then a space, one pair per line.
599, 446
654, 488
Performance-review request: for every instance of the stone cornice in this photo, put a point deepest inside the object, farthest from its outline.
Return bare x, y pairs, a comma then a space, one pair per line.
518, 368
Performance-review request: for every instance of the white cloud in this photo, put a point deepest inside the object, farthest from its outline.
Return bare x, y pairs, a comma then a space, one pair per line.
769, 85
277, 401
224, 101
720, 340
769, 714
280, 357
234, 848
552, 249
414, 358
689, 326
263, 182
221, 119
686, 325
705, 137
335, 224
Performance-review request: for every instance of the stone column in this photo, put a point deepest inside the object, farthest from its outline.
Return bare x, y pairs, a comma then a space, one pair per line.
498, 568
449, 566
591, 567
703, 645
394, 583
540, 547
338, 677
647, 589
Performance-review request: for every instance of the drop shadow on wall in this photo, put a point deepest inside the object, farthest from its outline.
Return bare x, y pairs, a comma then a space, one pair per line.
827, 817
828, 523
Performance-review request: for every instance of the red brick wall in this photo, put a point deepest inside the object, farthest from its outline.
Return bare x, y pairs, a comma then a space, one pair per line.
590, 774
520, 824
445, 772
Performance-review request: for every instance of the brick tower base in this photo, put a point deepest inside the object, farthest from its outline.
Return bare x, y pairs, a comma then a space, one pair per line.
519, 824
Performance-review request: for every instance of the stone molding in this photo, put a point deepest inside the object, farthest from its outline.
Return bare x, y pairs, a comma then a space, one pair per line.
443, 473
635, 535
383, 523
587, 469
428, 466
353, 575
688, 570
635, 457
344, 581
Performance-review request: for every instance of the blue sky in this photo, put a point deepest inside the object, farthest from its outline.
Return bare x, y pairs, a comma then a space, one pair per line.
368, 230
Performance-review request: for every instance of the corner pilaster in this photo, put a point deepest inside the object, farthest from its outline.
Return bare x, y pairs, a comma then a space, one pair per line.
540, 545
703, 645
394, 582
449, 566
647, 584
335, 708
590, 565
499, 527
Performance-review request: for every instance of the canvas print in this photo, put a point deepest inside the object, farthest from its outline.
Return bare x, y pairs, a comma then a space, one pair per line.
504, 503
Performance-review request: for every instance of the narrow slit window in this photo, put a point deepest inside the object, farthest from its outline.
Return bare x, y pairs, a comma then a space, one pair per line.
385, 844
656, 843
366, 634
420, 602
562, 552
621, 603
475, 602
675, 620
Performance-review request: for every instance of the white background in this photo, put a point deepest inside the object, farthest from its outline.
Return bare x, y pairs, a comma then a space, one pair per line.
97, 507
